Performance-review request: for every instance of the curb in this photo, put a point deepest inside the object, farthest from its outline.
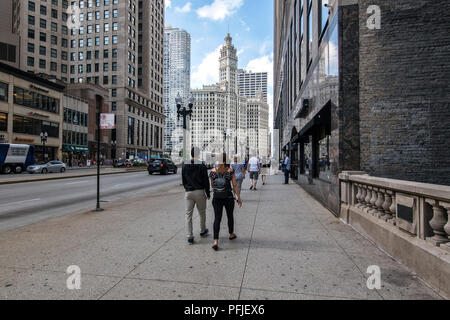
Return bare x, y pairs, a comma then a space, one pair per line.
68, 177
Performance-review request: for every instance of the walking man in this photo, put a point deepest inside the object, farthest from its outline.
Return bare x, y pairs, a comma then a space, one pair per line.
254, 167
196, 184
239, 170
286, 168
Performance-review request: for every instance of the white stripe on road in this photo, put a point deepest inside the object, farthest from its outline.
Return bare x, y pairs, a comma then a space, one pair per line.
77, 182
18, 202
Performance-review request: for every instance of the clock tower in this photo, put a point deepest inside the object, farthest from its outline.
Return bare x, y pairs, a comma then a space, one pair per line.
228, 62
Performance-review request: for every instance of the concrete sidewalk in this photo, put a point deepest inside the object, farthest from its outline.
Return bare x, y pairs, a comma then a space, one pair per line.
288, 247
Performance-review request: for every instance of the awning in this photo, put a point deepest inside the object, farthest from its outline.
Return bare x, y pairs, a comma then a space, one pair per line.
73, 148
323, 117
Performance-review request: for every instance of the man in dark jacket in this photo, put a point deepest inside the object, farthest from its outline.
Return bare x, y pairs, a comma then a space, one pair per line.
196, 184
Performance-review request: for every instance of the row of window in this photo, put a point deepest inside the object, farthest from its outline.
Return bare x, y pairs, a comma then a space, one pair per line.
75, 117
75, 138
35, 100
3, 92
65, 4
34, 127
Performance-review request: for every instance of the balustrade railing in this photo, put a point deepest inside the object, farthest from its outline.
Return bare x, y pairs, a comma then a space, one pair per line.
420, 209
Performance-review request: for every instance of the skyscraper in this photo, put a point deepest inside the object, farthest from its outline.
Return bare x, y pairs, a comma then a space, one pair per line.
218, 111
111, 43
250, 83
177, 80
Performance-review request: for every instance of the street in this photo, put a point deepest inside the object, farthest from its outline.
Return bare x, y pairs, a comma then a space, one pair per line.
26, 203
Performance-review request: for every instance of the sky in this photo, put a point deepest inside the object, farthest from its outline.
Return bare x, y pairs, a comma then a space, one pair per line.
250, 23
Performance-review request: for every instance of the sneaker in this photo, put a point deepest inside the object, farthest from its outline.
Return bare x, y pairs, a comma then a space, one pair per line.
251, 188
204, 234
255, 189
191, 241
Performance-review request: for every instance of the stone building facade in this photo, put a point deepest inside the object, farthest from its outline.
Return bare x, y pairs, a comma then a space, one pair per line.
110, 43
351, 97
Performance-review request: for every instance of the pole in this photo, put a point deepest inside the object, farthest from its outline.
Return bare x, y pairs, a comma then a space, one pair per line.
184, 138
98, 209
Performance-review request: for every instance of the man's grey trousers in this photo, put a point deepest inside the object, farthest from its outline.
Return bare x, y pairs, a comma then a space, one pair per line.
195, 198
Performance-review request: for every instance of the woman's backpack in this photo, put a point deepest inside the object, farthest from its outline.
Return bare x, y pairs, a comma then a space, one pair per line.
222, 188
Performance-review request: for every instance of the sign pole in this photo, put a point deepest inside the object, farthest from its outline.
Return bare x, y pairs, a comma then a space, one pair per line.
98, 209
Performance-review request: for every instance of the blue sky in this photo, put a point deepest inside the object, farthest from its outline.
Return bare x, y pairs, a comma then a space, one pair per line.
251, 27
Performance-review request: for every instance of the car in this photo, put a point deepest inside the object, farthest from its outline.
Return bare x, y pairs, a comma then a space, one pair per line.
123, 164
163, 166
51, 166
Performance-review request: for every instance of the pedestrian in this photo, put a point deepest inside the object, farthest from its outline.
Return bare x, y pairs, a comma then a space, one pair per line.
286, 168
221, 180
196, 185
264, 169
254, 168
239, 171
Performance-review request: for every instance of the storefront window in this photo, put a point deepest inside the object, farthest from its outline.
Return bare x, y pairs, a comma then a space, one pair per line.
324, 158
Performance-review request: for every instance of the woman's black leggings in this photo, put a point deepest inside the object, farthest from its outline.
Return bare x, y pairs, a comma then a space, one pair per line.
218, 205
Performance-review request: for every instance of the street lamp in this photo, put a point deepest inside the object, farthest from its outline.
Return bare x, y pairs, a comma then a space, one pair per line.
182, 111
44, 137
114, 148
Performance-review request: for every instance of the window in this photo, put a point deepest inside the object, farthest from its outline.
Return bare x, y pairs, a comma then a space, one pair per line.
35, 100
31, 6
42, 50
42, 63
324, 14
310, 34
53, 66
31, 33
31, 20
30, 47
43, 36
30, 61
3, 92
54, 53
43, 10
3, 121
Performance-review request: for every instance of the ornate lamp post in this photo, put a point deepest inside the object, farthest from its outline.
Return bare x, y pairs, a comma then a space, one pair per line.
184, 112
44, 137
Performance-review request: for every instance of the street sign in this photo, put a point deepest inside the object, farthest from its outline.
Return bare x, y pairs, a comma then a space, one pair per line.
107, 121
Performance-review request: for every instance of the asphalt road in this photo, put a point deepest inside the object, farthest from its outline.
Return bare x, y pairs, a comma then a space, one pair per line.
26, 203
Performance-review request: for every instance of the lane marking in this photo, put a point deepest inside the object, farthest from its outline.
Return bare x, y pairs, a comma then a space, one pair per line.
77, 182
19, 202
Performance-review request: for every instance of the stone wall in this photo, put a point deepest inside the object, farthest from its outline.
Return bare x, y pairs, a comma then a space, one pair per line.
404, 91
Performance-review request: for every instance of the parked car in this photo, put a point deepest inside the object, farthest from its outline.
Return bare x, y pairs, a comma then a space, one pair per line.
123, 164
163, 166
52, 166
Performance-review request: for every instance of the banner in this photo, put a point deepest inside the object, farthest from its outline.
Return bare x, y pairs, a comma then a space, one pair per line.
107, 121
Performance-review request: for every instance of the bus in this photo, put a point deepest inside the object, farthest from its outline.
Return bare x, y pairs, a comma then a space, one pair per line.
15, 157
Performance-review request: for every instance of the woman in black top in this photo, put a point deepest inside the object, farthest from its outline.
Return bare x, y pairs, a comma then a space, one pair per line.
221, 180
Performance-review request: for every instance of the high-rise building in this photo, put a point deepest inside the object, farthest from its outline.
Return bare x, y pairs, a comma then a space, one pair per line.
223, 119
250, 83
370, 102
218, 112
257, 125
177, 81
111, 43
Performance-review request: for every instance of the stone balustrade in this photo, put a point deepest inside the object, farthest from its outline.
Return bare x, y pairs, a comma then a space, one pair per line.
422, 210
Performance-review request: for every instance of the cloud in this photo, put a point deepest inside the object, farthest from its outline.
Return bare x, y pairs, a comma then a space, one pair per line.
219, 9
185, 9
245, 25
208, 70
168, 4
